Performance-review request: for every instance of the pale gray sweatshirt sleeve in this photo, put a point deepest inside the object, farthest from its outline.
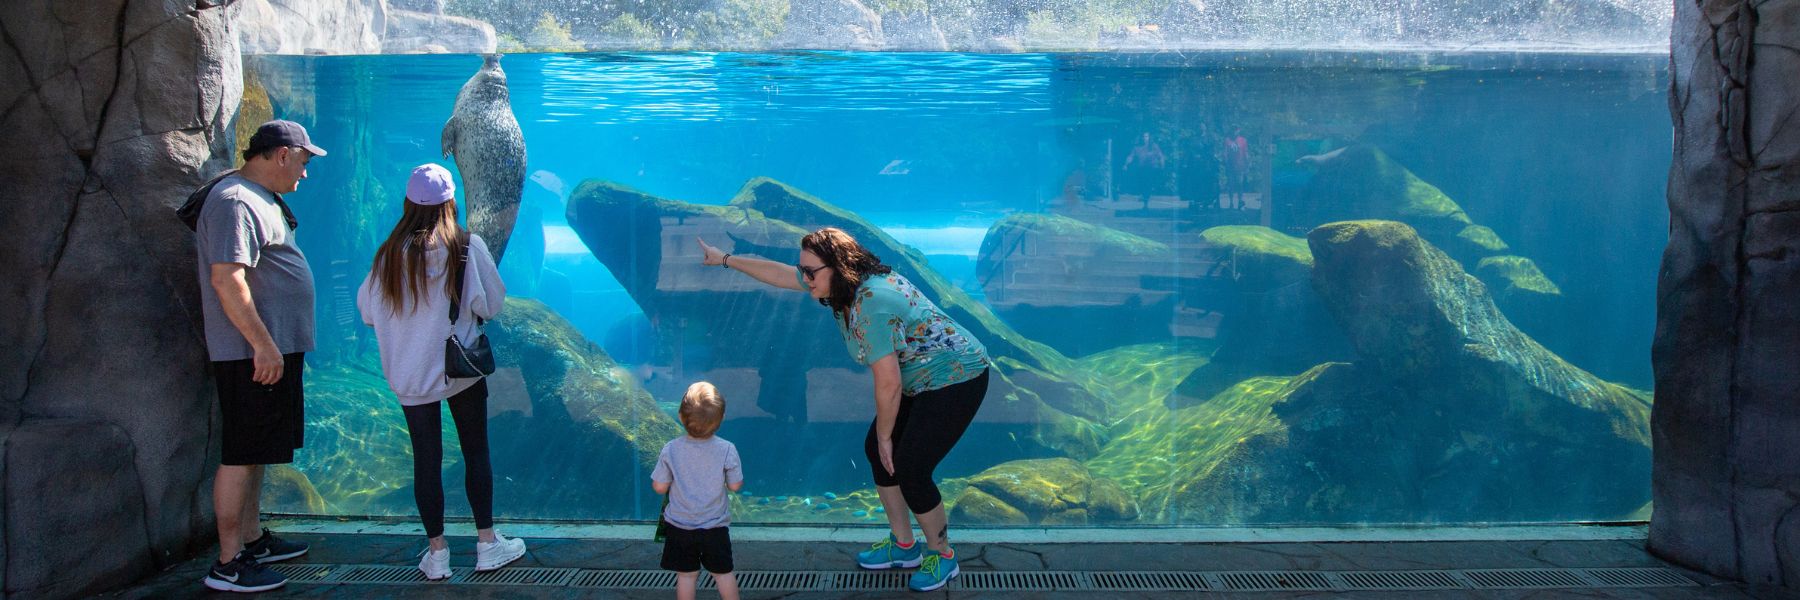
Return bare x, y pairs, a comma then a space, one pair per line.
485, 291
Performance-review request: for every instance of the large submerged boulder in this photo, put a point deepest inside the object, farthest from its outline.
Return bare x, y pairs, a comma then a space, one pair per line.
1078, 287
1053, 491
559, 392
554, 392
708, 319
1446, 413
1274, 322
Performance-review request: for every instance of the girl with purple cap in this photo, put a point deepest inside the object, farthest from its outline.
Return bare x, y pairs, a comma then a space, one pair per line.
427, 265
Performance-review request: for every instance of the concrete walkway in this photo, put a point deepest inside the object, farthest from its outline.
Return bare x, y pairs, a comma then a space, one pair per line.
1216, 556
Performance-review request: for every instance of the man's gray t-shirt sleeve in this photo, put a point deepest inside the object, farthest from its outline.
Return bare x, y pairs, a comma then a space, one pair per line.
230, 233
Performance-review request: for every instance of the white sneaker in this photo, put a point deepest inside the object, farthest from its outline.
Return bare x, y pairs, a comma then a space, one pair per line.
436, 564
503, 550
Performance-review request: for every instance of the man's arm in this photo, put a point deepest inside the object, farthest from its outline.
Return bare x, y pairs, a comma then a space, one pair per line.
234, 296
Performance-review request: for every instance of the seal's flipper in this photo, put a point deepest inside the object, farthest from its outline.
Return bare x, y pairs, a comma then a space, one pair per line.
448, 139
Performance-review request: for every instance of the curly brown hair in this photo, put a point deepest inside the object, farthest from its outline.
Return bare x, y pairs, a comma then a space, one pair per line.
850, 264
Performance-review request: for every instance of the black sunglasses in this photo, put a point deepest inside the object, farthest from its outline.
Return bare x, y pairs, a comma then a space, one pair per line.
811, 272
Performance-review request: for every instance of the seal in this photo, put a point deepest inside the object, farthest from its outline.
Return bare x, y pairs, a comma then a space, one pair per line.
484, 137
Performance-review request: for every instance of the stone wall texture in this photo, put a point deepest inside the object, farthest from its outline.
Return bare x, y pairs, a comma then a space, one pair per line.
112, 111
1726, 425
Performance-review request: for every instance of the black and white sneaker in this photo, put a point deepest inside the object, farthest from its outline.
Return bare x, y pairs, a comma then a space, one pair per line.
243, 574
268, 548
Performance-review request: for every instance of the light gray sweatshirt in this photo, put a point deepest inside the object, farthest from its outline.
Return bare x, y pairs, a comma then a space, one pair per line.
412, 341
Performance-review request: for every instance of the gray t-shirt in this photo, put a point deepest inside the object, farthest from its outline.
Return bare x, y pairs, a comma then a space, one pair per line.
699, 471
242, 224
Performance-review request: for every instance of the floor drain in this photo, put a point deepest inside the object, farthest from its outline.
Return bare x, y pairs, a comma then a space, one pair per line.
624, 580
522, 576
1147, 581
868, 581
797, 581
384, 574
1525, 579
1399, 580
1264, 581
1020, 581
1640, 577
307, 573
1016, 581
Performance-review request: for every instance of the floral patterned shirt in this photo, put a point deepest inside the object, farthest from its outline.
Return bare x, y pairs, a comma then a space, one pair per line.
890, 316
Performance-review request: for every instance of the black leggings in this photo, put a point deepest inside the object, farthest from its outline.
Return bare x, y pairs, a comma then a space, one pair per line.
424, 423
923, 437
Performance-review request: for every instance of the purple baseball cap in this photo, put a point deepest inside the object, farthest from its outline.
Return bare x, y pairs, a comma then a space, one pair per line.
430, 185
278, 133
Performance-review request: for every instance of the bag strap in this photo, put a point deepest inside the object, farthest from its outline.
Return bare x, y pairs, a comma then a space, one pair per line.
459, 273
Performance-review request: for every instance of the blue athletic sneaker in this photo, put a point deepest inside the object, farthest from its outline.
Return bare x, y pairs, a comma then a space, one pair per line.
935, 572
887, 554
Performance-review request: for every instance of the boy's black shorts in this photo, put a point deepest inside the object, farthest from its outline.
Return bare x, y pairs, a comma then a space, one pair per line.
689, 550
260, 424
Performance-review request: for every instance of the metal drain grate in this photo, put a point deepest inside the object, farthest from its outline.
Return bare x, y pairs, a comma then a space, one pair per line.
386, 574
1524, 579
1045, 581
795, 581
307, 573
1640, 577
868, 581
522, 576
1148, 581
1265, 581
1020, 581
624, 580
1399, 580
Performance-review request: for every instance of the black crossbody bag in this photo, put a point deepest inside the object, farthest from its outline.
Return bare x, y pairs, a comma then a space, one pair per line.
469, 361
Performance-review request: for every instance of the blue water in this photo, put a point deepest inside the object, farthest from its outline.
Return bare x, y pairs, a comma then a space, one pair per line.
1562, 156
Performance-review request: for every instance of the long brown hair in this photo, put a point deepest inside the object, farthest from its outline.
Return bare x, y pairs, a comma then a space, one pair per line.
400, 262
850, 264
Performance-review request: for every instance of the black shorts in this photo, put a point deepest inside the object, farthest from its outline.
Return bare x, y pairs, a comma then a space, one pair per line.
260, 424
688, 550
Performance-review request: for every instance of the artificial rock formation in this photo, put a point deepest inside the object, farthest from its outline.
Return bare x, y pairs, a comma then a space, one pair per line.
648, 244
1727, 418
103, 347
1446, 413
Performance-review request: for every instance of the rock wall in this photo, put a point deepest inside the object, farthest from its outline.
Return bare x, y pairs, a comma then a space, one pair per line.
1726, 477
356, 27
96, 354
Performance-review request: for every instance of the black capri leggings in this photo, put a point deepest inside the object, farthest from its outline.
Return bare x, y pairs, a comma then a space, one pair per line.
927, 427
424, 423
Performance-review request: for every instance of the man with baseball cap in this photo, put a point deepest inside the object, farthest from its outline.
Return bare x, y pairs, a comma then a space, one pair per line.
257, 303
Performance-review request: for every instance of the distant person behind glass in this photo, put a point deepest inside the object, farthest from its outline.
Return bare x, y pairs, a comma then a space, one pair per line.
1147, 158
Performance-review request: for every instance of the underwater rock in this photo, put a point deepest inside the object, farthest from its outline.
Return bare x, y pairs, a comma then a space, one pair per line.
1054, 491
1078, 287
1276, 324
1446, 413
1495, 424
1362, 182
287, 486
582, 405
554, 392
648, 244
